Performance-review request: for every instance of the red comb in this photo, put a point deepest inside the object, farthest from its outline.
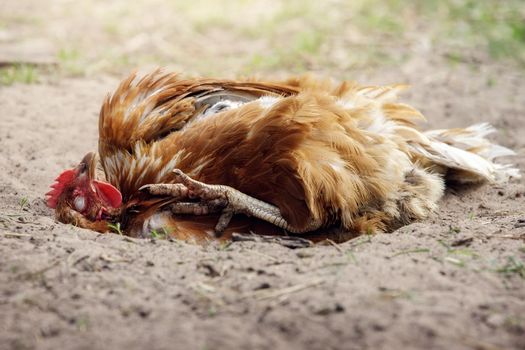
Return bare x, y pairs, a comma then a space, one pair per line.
60, 182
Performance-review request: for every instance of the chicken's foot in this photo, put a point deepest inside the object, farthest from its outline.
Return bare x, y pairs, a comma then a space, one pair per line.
221, 199
236, 202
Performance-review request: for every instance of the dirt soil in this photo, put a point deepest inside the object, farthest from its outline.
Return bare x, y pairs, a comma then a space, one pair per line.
455, 281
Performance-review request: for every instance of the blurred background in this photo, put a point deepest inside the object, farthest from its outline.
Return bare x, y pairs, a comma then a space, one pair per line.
42, 40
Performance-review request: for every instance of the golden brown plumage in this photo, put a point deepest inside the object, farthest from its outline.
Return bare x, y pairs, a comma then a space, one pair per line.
323, 154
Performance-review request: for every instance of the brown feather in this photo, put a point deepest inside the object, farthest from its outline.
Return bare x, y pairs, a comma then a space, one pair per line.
340, 153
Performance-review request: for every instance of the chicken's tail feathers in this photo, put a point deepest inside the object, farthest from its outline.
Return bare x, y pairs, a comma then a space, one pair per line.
465, 155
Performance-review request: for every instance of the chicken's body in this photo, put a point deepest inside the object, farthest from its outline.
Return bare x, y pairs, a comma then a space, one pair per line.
323, 154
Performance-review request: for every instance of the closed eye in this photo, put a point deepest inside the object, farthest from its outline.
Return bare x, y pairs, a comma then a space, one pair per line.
79, 203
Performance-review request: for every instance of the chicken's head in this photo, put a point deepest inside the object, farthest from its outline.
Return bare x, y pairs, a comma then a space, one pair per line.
79, 198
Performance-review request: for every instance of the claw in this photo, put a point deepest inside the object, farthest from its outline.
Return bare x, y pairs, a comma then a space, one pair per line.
183, 178
144, 188
224, 221
199, 189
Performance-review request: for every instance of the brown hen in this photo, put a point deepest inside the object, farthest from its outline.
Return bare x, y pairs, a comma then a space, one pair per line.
302, 156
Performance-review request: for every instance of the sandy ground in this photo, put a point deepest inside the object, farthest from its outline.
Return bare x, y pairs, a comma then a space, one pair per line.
455, 281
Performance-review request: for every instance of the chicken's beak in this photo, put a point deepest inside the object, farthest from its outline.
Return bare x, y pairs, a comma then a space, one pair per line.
88, 165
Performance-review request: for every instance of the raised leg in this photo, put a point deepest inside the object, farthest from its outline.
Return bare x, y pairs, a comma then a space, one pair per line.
237, 202
221, 199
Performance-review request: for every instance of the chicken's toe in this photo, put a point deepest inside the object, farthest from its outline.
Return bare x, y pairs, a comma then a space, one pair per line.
178, 191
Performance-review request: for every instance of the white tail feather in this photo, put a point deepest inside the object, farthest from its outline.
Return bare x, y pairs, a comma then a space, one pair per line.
468, 151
